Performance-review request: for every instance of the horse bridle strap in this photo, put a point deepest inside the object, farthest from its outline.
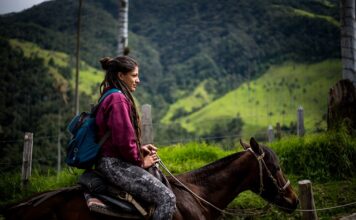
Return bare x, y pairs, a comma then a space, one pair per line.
260, 162
259, 159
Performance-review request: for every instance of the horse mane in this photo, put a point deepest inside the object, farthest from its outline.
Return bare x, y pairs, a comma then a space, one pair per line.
200, 174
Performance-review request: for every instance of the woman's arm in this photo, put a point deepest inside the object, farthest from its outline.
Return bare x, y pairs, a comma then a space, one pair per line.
123, 133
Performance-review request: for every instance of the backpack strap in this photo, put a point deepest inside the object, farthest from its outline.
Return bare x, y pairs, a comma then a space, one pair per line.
110, 91
104, 138
107, 93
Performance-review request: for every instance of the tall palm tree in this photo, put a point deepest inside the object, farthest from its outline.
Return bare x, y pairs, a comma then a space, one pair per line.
123, 27
348, 39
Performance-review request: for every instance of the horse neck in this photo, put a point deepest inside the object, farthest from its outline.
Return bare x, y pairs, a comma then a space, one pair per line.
220, 182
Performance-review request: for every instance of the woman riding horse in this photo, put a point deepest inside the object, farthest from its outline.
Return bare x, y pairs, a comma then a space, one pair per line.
211, 189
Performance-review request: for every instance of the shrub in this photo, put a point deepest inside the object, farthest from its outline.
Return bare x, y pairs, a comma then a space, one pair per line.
325, 156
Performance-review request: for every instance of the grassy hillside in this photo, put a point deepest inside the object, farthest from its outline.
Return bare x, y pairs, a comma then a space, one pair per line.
61, 68
196, 100
273, 97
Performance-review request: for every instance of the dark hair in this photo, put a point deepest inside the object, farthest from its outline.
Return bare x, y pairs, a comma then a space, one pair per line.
112, 67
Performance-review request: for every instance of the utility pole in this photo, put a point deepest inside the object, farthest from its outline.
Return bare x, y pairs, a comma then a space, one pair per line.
59, 143
77, 60
123, 27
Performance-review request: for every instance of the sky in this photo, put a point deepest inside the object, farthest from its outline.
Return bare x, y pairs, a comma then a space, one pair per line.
7, 6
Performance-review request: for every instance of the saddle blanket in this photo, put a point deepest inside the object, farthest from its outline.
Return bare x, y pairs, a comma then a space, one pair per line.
99, 204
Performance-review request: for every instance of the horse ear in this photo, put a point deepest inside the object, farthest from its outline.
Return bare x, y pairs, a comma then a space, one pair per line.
255, 146
244, 145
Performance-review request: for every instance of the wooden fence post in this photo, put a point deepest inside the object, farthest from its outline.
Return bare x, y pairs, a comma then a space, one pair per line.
307, 200
300, 121
147, 127
278, 131
27, 158
270, 133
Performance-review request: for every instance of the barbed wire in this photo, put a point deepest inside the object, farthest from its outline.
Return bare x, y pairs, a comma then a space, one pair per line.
318, 209
203, 138
34, 138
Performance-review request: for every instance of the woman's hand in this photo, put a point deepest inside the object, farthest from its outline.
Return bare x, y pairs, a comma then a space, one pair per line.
149, 160
148, 149
149, 155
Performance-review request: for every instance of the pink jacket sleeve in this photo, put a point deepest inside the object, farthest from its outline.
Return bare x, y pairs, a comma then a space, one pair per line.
123, 137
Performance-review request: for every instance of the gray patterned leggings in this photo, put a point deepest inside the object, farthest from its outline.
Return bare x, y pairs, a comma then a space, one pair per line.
139, 183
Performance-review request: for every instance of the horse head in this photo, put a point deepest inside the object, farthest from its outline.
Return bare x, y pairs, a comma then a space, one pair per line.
271, 183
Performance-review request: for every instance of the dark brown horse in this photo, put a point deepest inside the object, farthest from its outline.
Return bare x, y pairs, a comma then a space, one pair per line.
214, 186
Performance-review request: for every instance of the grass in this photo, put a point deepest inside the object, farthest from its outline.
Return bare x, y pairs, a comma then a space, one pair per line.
321, 157
272, 98
12, 191
181, 158
326, 195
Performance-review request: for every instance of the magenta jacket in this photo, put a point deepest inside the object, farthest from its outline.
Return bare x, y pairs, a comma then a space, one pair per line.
114, 115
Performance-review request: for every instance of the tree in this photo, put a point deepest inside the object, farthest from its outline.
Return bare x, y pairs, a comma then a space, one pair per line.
123, 26
348, 35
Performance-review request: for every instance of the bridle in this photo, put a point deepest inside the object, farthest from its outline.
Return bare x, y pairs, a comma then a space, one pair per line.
261, 162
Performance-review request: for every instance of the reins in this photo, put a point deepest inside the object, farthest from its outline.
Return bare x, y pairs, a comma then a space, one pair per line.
189, 190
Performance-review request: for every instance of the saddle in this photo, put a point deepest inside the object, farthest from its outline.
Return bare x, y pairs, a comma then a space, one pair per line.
104, 198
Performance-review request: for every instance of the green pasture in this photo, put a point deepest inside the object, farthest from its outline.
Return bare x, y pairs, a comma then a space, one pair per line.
273, 97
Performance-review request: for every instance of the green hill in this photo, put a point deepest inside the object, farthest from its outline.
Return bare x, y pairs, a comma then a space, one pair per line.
58, 64
273, 97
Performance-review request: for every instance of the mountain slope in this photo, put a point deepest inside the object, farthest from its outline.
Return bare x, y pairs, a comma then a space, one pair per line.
58, 64
273, 97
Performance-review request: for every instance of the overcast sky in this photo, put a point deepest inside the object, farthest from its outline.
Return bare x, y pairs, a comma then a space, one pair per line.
7, 6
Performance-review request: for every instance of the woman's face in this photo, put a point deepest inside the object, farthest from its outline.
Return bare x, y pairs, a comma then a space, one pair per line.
130, 79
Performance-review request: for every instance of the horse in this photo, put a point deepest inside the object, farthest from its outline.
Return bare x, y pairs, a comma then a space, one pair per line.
200, 194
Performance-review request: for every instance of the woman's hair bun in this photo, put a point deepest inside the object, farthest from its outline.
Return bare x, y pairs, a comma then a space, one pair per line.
105, 62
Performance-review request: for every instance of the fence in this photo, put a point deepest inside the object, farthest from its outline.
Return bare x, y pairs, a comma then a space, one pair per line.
147, 137
270, 134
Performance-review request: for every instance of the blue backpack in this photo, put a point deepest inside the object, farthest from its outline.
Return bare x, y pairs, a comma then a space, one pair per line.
83, 148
